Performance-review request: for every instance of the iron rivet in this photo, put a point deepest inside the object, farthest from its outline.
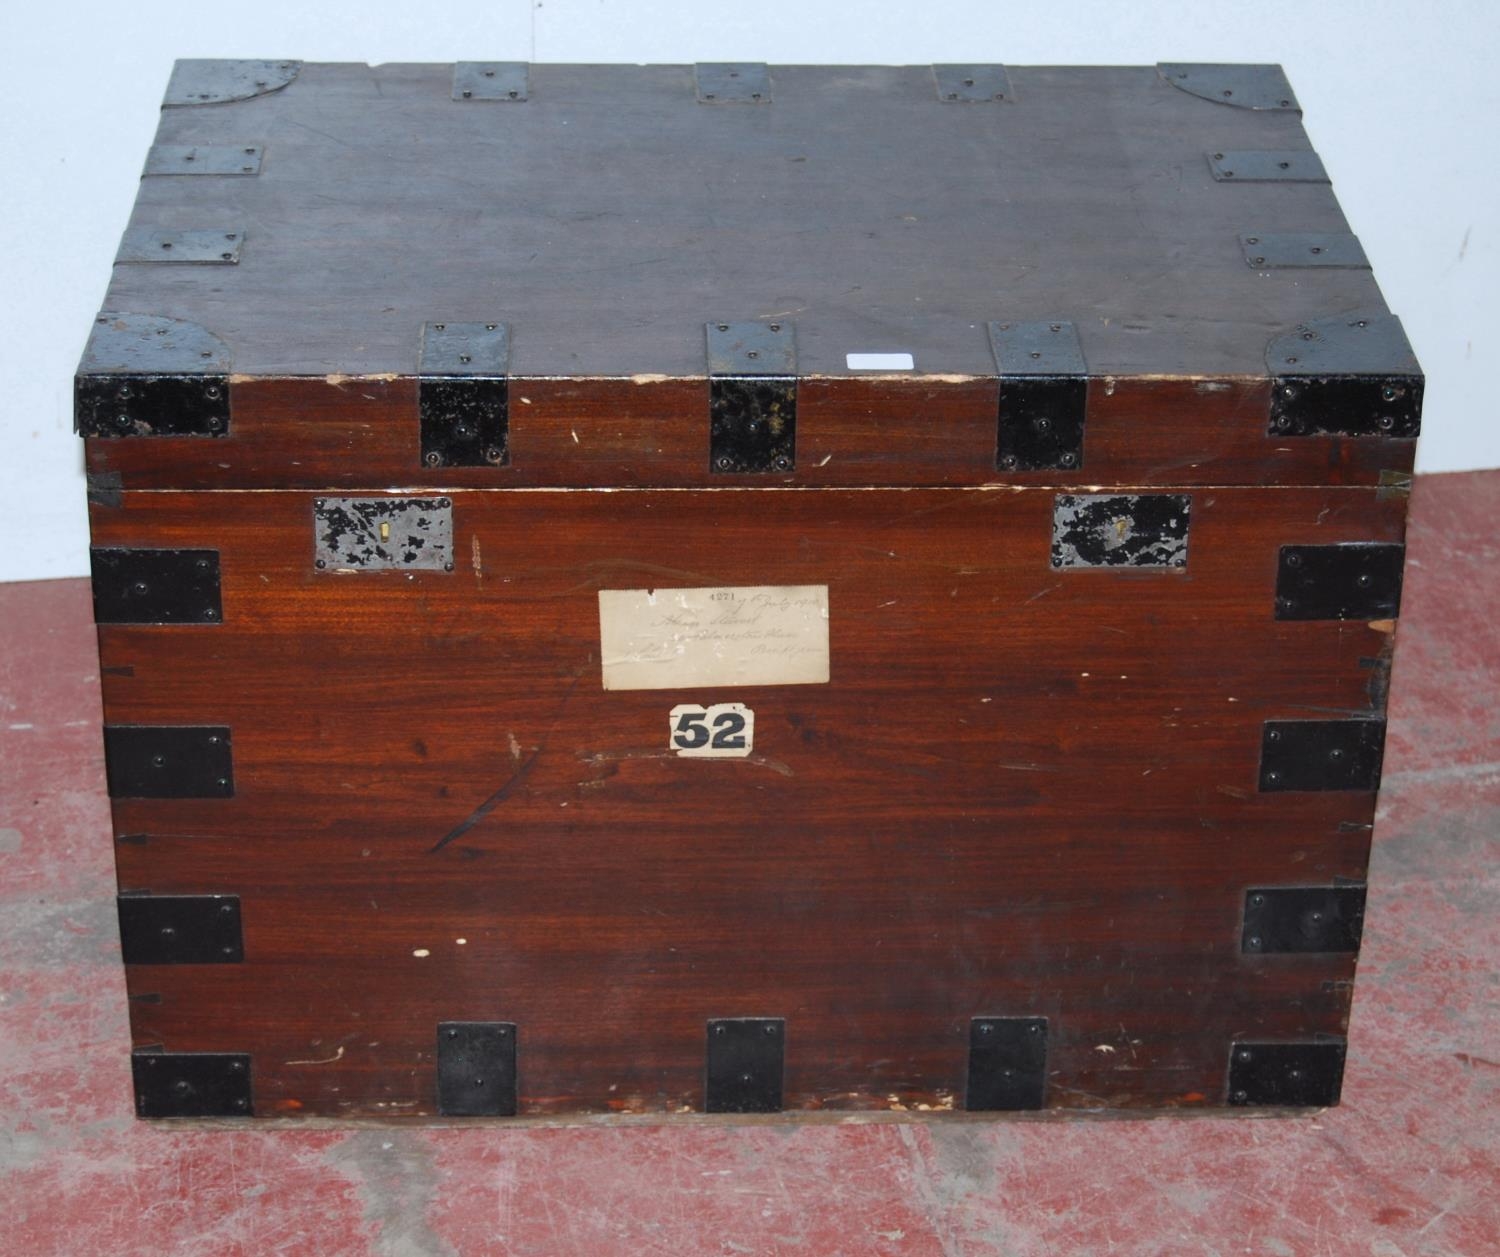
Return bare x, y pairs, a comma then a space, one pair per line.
158, 761
1241, 1095
1257, 900
320, 563
1294, 559
222, 782
168, 931
1253, 942
433, 459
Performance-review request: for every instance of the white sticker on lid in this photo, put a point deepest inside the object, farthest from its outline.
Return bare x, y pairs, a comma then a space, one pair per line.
662, 639
880, 362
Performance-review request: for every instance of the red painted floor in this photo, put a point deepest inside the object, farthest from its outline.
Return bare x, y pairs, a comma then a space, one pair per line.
1410, 1164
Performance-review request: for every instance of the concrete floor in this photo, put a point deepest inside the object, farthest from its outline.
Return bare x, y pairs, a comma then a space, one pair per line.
1410, 1164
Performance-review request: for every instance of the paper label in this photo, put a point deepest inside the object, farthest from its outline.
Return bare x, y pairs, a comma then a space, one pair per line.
662, 639
718, 731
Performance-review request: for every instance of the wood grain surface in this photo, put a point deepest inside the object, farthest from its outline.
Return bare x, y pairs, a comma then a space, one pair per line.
1022, 792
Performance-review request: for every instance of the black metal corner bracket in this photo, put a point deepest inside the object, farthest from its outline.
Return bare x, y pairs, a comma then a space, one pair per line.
216, 82
967, 84
1007, 1064
1302, 919
746, 1063
180, 929
1357, 580
144, 375
752, 397
168, 761
191, 1084
1044, 391
732, 83
1244, 86
463, 394
1306, 1074
155, 586
1353, 375
476, 1069
491, 80
1303, 755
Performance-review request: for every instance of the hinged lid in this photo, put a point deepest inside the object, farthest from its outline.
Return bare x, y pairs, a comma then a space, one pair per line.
898, 215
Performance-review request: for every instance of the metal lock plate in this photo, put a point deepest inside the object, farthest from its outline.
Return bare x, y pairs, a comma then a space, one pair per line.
383, 534
1092, 530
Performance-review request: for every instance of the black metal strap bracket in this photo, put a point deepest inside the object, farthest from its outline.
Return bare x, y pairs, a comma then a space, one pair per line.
1044, 392
491, 80
746, 1063
966, 84
1007, 1064
752, 397
476, 1068
1321, 754
180, 929
198, 81
143, 375
1295, 1074
1288, 165
191, 1084
1285, 250
732, 82
1349, 581
230, 160
155, 586
1281, 919
1354, 375
168, 761
463, 393
1244, 86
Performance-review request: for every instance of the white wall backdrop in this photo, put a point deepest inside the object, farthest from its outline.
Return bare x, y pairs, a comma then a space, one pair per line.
1399, 99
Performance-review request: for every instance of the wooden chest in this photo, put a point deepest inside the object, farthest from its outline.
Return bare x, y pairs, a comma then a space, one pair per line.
673, 589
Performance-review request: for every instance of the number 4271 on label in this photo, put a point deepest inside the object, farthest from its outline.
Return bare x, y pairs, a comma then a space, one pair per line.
723, 731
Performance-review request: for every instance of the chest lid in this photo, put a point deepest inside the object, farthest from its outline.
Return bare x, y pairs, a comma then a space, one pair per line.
509, 275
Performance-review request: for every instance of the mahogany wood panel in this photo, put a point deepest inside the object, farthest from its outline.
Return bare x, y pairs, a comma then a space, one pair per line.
1023, 792
344, 433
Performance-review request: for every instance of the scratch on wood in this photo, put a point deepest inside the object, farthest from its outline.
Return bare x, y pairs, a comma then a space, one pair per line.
327, 1060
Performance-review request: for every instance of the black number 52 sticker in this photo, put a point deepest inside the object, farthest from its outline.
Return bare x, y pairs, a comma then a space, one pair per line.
722, 731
